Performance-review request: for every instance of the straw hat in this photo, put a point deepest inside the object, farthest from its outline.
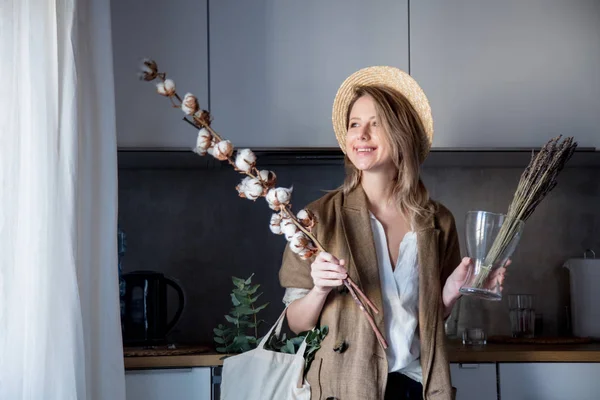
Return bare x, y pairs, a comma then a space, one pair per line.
387, 76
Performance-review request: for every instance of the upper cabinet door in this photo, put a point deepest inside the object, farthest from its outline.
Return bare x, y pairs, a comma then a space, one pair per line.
174, 34
275, 66
508, 73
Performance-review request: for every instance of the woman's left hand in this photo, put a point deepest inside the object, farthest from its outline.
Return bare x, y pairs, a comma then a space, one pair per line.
451, 293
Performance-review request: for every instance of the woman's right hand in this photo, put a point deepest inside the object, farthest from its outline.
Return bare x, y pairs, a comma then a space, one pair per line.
327, 272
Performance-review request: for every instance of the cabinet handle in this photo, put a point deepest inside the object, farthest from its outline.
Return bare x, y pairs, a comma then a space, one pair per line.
468, 366
157, 371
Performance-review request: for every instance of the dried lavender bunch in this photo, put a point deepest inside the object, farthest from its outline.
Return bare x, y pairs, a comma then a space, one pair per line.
536, 182
297, 229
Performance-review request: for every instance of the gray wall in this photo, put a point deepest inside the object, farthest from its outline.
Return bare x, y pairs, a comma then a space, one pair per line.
190, 224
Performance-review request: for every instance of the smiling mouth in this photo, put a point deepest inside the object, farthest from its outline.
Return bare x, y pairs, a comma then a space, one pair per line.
365, 150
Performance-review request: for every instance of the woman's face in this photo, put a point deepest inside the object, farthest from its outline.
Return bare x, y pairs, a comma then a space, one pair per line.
366, 145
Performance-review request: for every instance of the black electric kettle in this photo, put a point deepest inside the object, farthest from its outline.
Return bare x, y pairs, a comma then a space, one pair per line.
144, 314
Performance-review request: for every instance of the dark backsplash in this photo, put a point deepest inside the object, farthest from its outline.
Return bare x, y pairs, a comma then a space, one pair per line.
190, 224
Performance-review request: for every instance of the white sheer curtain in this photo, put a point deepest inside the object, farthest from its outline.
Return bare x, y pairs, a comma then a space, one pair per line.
59, 319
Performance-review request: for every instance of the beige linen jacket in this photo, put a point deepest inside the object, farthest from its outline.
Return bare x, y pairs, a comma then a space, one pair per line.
360, 372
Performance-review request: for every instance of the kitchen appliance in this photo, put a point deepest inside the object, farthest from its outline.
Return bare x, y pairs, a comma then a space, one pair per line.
144, 320
585, 296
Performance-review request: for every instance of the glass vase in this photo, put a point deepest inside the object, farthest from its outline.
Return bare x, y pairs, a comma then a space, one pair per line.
491, 239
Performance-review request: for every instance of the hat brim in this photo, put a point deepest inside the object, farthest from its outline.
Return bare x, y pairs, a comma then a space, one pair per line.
387, 76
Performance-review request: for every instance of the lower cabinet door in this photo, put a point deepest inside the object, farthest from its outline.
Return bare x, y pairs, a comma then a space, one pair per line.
549, 381
474, 381
168, 384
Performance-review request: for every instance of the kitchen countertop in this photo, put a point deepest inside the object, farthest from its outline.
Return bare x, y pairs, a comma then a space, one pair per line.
180, 361
493, 352
457, 353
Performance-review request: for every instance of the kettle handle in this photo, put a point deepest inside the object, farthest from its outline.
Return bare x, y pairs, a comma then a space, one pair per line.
589, 251
179, 290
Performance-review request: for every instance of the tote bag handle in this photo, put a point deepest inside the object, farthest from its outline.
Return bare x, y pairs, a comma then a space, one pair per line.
277, 328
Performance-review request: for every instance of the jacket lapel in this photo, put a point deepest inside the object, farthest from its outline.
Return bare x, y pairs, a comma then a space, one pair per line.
363, 266
429, 291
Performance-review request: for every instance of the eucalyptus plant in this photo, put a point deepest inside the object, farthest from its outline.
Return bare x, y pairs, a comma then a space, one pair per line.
292, 345
242, 333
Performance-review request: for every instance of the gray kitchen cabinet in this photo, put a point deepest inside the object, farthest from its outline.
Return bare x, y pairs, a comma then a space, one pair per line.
275, 66
510, 73
474, 381
168, 384
549, 381
174, 34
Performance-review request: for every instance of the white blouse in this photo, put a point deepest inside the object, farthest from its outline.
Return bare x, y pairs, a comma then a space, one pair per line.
400, 294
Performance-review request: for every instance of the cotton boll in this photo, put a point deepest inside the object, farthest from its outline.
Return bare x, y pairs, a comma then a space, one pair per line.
189, 105
203, 142
245, 160
306, 218
278, 197
285, 221
166, 88
170, 86
223, 150
289, 230
307, 253
241, 188
253, 189
299, 242
275, 224
268, 177
148, 70
160, 88
202, 118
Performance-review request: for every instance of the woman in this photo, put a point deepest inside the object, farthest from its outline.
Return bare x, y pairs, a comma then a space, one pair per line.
400, 247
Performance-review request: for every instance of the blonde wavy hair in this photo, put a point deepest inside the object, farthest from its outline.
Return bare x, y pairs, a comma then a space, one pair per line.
404, 132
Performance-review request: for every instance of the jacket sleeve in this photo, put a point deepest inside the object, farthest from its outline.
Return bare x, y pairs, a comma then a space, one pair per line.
450, 254
295, 272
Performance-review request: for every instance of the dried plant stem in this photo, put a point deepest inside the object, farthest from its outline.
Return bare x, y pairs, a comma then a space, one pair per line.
538, 179
298, 224
352, 287
378, 334
357, 294
215, 134
348, 282
363, 296
229, 159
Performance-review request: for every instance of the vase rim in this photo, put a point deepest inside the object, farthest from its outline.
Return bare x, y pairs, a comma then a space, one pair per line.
492, 213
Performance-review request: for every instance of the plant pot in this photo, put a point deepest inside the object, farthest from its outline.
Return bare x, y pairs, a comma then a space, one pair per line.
491, 240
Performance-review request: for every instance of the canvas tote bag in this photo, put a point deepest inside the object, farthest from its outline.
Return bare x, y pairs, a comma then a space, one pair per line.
262, 374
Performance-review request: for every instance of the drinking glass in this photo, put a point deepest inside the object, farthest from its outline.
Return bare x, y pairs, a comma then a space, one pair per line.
522, 315
474, 337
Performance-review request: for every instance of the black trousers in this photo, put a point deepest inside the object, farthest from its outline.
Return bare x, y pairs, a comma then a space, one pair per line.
401, 387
